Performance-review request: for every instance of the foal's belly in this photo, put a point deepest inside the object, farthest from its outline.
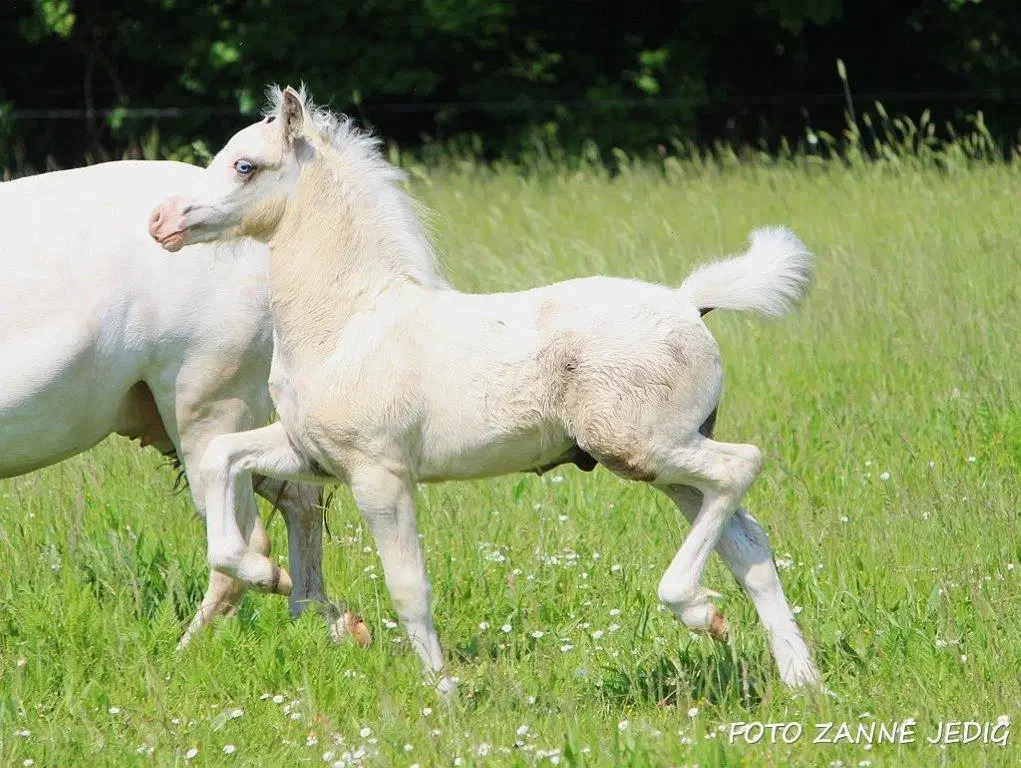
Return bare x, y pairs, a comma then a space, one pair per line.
478, 457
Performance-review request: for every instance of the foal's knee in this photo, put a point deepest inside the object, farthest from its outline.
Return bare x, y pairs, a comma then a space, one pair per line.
214, 467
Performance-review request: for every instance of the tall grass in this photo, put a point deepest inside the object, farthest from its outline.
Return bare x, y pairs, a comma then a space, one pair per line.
889, 412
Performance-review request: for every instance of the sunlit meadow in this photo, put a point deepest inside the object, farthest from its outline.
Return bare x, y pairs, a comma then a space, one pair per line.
889, 412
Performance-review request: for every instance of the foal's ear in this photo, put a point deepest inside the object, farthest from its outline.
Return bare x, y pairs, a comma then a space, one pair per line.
292, 114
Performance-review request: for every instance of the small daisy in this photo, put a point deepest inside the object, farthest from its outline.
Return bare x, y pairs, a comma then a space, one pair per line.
229, 749
191, 753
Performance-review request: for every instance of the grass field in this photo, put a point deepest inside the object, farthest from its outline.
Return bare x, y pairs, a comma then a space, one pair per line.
889, 412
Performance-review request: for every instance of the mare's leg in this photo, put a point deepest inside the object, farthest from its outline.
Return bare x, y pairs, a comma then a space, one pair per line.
744, 547
386, 501
195, 414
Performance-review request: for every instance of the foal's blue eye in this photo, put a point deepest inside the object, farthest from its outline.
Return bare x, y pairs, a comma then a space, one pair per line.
244, 167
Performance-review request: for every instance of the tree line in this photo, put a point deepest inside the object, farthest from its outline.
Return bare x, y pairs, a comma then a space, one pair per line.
91, 79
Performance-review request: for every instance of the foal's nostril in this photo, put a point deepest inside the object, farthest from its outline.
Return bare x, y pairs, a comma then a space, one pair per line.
186, 210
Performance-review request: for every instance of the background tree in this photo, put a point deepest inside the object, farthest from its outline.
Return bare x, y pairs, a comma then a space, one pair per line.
628, 75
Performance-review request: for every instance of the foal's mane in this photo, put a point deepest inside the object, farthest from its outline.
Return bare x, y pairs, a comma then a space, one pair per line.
391, 205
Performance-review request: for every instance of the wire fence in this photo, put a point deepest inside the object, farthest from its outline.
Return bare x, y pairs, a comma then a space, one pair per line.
522, 106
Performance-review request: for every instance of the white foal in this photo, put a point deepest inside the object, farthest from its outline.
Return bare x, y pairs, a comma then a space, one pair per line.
384, 376
101, 332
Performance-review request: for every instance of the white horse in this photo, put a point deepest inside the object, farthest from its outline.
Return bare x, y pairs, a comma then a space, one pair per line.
101, 332
384, 376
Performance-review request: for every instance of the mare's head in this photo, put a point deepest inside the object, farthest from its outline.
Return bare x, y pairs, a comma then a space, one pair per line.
245, 189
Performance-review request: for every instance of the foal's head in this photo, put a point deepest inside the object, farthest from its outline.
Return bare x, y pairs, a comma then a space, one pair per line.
246, 187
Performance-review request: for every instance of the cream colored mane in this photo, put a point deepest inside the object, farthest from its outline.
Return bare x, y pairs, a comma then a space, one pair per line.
357, 161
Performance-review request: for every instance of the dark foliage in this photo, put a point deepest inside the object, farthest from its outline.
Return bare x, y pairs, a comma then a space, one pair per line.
628, 75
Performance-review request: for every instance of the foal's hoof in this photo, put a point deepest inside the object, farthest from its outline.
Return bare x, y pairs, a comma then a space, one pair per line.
718, 627
446, 687
280, 583
351, 625
357, 629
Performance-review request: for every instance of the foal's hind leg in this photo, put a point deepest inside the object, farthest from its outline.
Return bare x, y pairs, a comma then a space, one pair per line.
722, 472
745, 549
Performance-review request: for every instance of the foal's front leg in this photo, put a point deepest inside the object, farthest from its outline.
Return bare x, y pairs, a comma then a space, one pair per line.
226, 469
386, 500
223, 595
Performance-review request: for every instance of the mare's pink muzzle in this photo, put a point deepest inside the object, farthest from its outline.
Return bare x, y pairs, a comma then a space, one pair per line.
167, 225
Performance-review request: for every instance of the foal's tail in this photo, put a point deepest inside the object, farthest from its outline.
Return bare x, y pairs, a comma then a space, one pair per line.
769, 278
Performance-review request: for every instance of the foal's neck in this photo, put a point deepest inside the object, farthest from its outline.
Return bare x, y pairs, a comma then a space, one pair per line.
334, 253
